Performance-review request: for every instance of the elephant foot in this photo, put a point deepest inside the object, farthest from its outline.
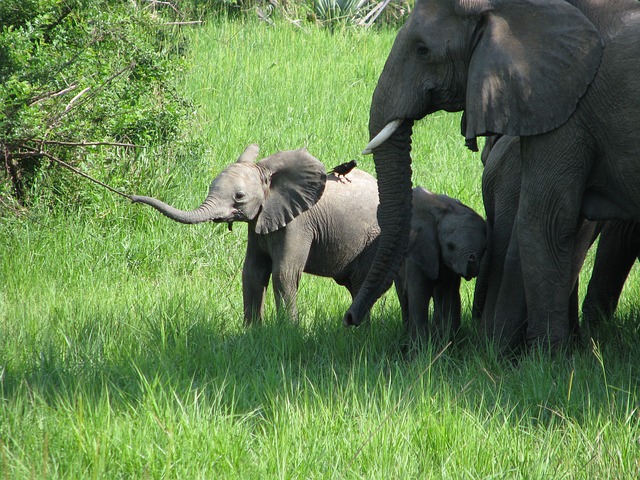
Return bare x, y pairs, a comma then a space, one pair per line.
556, 347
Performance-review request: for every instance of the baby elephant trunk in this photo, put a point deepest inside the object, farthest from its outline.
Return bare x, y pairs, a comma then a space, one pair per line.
473, 266
204, 213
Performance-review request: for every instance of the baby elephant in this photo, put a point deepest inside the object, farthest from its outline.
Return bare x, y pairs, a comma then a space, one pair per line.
300, 220
447, 242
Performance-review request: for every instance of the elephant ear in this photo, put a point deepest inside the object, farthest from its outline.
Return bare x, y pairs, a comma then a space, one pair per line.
295, 182
250, 154
532, 63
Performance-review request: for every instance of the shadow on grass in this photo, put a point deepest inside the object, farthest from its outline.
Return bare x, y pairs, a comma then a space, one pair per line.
247, 370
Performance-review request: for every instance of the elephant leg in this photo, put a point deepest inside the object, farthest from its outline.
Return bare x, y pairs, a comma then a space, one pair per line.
554, 173
574, 320
285, 287
495, 258
585, 236
447, 306
617, 252
358, 276
481, 289
506, 321
255, 279
289, 259
419, 291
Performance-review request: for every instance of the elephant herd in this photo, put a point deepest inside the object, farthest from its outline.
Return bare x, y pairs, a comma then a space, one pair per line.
554, 85
303, 220
563, 76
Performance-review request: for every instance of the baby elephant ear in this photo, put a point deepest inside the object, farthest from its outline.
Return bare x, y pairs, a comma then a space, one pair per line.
296, 181
250, 154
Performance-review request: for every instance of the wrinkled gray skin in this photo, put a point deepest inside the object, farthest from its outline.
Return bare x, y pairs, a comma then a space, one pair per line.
618, 249
300, 220
447, 242
501, 267
564, 76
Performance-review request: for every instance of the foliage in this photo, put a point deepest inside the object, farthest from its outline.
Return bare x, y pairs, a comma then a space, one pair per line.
329, 13
360, 12
78, 71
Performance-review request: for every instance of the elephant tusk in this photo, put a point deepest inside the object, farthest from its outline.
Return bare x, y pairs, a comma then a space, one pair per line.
383, 136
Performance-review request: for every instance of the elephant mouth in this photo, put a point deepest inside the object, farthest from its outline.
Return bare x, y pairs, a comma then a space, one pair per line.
234, 216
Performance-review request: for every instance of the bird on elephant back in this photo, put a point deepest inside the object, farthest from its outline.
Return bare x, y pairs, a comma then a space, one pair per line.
563, 76
302, 220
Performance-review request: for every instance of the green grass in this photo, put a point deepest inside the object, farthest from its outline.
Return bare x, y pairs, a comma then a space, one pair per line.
122, 351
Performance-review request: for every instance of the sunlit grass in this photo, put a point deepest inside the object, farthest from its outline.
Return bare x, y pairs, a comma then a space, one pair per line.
122, 351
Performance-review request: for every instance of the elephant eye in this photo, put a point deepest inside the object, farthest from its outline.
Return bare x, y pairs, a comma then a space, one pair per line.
422, 50
239, 196
450, 246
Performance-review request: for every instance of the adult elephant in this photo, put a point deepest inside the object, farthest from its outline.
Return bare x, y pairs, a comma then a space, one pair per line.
563, 75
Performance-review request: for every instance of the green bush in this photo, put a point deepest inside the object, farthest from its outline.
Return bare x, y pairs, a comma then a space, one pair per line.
78, 71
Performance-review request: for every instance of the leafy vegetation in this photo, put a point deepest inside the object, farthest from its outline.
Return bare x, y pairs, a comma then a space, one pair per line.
88, 84
122, 351
76, 73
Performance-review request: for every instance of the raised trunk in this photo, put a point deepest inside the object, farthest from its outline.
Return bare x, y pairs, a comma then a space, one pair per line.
393, 168
201, 214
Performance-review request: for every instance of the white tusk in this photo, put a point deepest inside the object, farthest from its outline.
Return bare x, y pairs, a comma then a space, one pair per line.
383, 136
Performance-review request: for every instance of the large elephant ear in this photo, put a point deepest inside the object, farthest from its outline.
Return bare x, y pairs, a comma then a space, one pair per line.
296, 181
532, 63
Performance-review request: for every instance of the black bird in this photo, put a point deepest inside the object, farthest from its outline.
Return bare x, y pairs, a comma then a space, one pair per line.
344, 168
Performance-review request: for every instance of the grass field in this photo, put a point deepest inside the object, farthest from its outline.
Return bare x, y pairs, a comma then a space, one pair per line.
122, 351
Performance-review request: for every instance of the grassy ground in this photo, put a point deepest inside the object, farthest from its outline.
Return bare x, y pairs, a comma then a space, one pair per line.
122, 353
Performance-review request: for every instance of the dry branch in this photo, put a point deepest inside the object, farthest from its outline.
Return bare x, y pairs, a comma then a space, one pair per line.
49, 95
75, 170
84, 143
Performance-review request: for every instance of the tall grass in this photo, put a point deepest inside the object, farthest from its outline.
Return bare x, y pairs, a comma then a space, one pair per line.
122, 353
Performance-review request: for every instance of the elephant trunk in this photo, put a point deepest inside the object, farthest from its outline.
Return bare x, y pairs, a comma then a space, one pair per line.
203, 213
393, 167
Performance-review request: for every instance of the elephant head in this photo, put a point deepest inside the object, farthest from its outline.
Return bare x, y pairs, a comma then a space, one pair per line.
269, 193
444, 230
516, 67
462, 237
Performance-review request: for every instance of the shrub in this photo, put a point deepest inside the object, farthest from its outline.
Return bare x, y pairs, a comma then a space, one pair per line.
78, 71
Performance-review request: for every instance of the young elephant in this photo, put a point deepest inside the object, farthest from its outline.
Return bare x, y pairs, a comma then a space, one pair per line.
300, 220
447, 242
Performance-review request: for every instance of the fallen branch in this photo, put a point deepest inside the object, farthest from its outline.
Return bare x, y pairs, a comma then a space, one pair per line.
49, 95
84, 143
82, 174
73, 100
193, 22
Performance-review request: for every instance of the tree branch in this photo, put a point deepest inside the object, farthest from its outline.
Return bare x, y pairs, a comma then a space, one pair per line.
49, 95
78, 172
84, 143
